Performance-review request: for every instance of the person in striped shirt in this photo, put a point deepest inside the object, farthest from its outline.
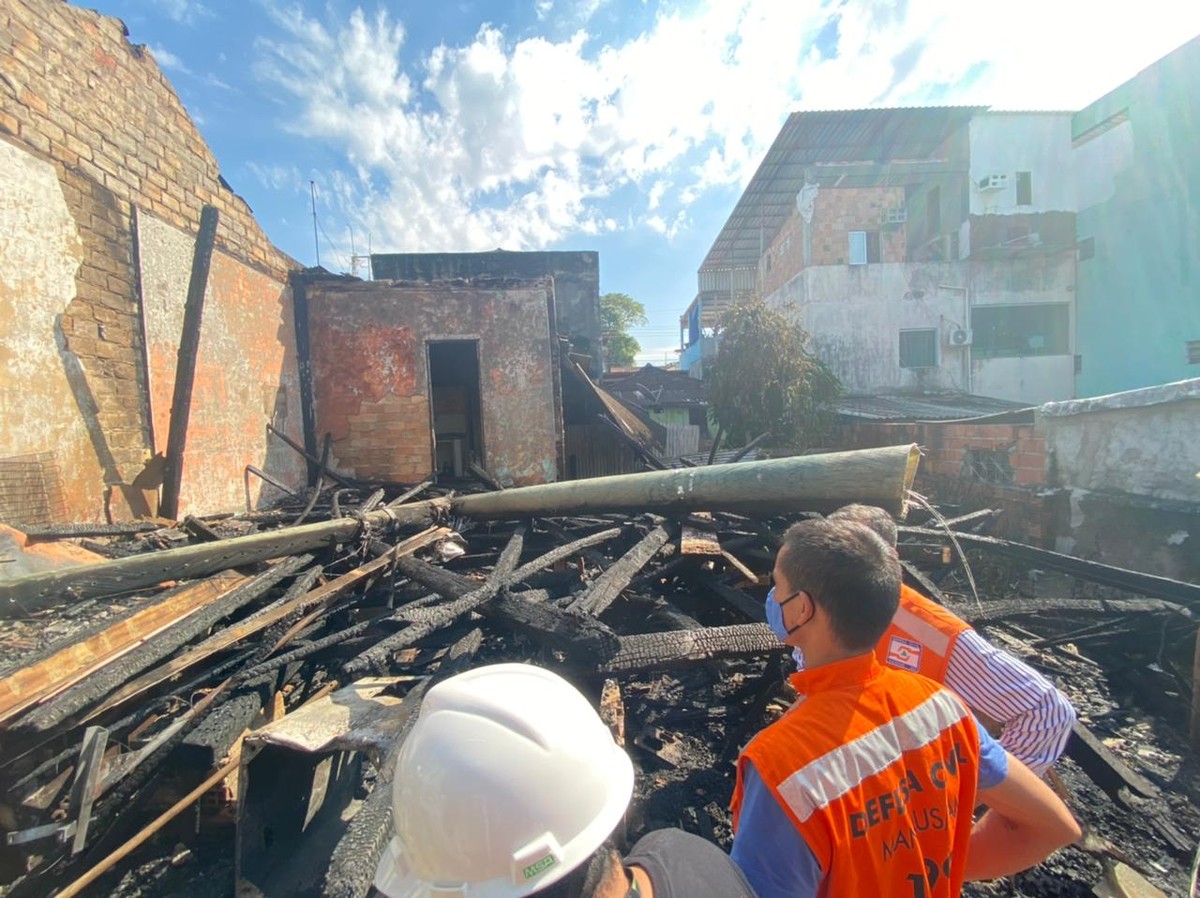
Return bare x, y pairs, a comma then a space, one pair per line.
924, 637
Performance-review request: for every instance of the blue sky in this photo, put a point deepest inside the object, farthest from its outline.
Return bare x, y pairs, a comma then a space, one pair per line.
624, 126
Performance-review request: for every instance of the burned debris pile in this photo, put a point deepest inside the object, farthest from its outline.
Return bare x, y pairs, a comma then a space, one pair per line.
213, 704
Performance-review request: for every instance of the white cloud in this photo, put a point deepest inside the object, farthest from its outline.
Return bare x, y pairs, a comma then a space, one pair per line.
520, 143
183, 11
168, 60
277, 177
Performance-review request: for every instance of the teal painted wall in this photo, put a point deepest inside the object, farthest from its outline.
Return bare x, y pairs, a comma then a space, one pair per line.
1138, 296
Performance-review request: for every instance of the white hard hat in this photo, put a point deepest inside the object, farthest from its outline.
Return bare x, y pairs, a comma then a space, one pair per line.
508, 781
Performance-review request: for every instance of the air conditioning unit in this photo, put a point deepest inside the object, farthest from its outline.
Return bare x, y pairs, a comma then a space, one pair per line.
898, 215
993, 182
959, 336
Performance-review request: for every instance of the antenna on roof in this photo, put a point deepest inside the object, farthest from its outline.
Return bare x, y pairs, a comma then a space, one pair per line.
312, 189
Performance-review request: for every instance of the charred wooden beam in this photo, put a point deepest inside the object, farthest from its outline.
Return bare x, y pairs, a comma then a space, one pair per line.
1080, 568
651, 651
43, 532
603, 591
750, 447
322, 468
45, 718
444, 615
352, 866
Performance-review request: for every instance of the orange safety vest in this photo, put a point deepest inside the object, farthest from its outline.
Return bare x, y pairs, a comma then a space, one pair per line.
921, 636
877, 769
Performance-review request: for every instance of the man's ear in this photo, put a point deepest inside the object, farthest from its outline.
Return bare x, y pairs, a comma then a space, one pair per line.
806, 606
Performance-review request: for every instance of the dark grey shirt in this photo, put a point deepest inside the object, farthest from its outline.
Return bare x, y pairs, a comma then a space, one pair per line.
681, 865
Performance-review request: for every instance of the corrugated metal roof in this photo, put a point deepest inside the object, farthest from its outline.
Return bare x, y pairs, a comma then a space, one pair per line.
868, 147
950, 407
654, 387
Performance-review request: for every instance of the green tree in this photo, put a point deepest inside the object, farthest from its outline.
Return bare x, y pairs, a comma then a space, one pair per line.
618, 313
765, 377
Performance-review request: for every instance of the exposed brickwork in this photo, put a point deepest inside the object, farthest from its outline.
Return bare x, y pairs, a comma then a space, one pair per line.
371, 381
946, 475
836, 212
75, 93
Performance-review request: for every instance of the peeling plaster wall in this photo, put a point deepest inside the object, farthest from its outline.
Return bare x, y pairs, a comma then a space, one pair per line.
855, 315
78, 100
1143, 443
246, 372
1127, 464
40, 253
371, 382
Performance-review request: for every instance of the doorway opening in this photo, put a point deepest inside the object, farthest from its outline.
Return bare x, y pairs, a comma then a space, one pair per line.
455, 405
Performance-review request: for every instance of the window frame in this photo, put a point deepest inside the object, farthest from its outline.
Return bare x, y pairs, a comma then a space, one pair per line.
932, 333
982, 330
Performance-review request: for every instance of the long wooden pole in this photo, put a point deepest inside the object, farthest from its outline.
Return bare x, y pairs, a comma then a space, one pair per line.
804, 483
185, 365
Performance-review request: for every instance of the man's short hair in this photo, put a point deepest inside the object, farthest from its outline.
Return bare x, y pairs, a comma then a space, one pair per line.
851, 574
869, 516
589, 878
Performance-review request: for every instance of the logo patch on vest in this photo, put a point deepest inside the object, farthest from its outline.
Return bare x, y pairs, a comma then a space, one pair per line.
904, 653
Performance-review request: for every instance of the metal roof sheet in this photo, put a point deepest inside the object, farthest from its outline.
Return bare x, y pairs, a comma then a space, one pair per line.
949, 407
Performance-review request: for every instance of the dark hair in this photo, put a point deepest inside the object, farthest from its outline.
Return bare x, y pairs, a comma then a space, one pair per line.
586, 879
869, 516
851, 574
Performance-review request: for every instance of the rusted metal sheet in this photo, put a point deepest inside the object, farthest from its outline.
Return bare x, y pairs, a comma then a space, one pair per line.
247, 371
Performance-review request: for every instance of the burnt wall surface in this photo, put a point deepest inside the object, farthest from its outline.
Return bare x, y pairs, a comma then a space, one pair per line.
576, 278
370, 375
90, 131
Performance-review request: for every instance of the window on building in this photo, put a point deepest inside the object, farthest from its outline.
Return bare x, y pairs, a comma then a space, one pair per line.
1087, 248
933, 211
1013, 331
1193, 351
864, 247
1024, 188
918, 348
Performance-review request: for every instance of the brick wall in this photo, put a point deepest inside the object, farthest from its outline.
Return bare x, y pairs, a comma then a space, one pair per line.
370, 378
836, 212
78, 98
957, 457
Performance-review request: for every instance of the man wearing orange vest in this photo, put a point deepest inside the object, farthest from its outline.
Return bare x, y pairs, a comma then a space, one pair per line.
866, 786
928, 639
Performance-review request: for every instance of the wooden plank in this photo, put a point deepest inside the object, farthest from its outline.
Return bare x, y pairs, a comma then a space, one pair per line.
185, 366
30, 685
229, 636
694, 541
83, 792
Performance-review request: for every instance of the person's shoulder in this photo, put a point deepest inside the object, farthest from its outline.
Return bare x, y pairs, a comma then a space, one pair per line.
921, 602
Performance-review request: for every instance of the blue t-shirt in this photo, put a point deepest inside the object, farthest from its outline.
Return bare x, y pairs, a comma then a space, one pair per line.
772, 853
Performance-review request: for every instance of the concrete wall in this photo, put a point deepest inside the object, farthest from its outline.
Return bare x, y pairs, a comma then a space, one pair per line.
1009, 142
576, 282
1142, 443
1128, 464
1139, 227
246, 371
90, 131
855, 315
371, 382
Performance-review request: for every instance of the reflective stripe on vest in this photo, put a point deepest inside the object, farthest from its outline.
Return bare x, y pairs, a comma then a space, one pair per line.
921, 636
832, 775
